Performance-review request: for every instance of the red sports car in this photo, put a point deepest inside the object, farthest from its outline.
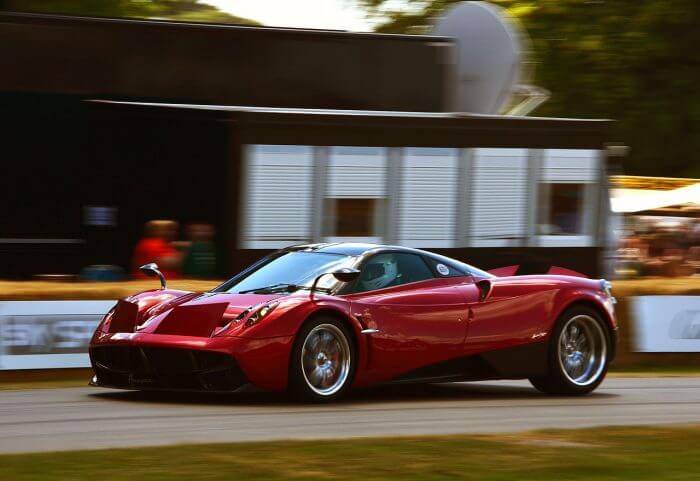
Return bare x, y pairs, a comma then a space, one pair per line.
317, 320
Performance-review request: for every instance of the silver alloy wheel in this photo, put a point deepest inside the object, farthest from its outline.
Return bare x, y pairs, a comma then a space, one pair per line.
325, 359
582, 350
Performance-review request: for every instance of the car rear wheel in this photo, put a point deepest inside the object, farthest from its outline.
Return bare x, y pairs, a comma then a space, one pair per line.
323, 361
578, 354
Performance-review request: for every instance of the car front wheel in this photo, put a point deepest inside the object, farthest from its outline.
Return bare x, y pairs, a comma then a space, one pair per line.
578, 354
323, 361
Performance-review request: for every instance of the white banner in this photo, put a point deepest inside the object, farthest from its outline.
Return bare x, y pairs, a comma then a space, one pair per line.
48, 334
666, 323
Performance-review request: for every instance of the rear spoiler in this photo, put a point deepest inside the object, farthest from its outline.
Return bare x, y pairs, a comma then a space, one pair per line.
554, 270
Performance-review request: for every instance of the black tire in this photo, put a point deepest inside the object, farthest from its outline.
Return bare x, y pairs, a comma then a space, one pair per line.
305, 384
562, 380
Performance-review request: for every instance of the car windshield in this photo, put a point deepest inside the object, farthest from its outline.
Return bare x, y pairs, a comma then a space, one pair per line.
293, 270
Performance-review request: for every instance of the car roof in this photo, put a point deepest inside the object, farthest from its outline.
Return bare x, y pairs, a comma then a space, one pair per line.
362, 249
351, 248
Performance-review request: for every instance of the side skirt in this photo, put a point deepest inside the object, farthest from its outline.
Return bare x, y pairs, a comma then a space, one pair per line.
517, 362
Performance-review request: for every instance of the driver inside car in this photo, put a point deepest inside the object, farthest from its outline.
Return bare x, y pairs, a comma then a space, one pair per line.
380, 272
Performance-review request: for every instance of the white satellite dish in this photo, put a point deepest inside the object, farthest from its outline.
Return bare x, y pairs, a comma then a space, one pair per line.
491, 57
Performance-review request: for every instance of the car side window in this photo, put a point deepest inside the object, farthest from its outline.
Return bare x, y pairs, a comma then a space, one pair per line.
391, 269
444, 269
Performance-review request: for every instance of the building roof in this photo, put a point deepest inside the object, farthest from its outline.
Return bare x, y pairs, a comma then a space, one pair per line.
209, 63
58, 19
305, 126
345, 113
650, 183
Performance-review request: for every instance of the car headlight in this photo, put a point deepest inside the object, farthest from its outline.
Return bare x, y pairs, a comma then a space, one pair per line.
103, 326
260, 313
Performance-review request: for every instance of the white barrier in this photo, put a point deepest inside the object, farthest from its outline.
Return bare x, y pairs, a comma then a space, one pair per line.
56, 334
666, 323
48, 334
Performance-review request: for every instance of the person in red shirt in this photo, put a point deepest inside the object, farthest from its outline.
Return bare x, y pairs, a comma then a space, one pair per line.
156, 246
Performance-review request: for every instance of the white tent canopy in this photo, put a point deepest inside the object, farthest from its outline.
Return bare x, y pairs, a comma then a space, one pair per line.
638, 200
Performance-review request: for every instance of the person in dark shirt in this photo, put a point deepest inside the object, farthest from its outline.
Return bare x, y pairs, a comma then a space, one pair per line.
200, 258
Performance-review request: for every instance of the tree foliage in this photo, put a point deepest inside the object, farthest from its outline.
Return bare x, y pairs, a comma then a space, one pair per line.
185, 10
629, 60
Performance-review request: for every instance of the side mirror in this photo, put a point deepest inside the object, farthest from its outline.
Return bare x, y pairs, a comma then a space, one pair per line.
151, 270
346, 274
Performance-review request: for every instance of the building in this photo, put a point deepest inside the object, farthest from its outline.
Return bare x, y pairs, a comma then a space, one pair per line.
489, 189
275, 136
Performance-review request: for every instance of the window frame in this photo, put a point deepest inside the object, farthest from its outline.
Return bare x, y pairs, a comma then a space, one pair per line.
377, 221
584, 238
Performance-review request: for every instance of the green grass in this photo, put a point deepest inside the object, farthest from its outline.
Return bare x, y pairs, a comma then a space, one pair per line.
601, 454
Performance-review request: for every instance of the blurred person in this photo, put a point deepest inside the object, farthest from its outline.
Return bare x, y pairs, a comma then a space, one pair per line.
693, 260
629, 256
157, 246
200, 256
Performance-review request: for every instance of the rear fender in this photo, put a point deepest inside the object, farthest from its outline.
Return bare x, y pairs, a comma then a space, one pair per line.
516, 270
506, 271
563, 271
567, 298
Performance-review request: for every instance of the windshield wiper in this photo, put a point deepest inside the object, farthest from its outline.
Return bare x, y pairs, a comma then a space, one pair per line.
282, 287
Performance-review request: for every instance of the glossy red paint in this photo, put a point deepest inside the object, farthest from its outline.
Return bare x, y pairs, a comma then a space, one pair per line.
418, 324
562, 271
504, 271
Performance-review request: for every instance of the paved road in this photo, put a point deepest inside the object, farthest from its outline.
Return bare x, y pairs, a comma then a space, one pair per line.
83, 418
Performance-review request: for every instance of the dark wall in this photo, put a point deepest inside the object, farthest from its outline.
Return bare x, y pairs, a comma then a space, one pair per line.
156, 168
58, 158
41, 143
221, 64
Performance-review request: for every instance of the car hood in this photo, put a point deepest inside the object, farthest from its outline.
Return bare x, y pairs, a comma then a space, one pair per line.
183, 313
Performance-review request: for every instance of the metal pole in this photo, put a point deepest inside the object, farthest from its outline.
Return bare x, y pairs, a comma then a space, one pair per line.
463, 213
394, 175
321, 155
535, 158
2, 335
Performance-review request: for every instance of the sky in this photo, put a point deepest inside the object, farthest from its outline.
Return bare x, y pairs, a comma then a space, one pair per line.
332, 14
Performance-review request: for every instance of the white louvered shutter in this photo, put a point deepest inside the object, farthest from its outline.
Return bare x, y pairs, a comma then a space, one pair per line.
357, 172
578, 166
428, 197
499, 193
277, 207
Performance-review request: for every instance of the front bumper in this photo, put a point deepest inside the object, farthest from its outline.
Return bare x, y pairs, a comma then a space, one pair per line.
164, 368
162, 361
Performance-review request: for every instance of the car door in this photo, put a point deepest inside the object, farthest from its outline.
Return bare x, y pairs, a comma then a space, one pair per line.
514, 312
419, 319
